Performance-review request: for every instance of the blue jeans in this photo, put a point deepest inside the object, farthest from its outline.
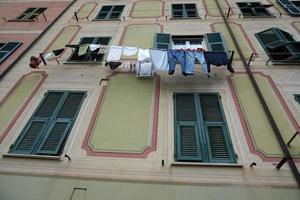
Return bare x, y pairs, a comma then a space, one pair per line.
191, 57
173, 56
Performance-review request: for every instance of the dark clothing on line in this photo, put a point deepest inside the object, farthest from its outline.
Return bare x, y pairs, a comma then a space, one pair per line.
113, 65
218, 59
57, 52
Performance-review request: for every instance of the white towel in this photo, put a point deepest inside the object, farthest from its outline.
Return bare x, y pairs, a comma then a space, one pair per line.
93, 47
130, 51
159, 60
114, 53
144, 55
144, 70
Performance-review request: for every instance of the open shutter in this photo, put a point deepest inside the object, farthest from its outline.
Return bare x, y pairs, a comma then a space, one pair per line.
162, 41
215, 42
219, 147
28, 139
54, 139
290, 7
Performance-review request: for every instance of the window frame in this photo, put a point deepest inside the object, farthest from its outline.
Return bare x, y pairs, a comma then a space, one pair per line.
8, 53
47, 127
70, 61
27, 15
109, 13
203, 133
297, 98
184, 11
253, 8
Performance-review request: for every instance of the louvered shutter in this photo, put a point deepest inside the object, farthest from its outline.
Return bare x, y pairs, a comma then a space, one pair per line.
28, 139
219, 146
215, 42
187, 129
210, 107
49, 105
162, 41
54, 138
71, 105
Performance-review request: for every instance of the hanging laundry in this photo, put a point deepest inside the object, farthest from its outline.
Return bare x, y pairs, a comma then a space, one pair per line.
93, 47
144, 55
191, 57
57, 52
218, 59
144, 69
83, 49
114, 53
130, 51
113, 65
159, 59
47, 56
173, 56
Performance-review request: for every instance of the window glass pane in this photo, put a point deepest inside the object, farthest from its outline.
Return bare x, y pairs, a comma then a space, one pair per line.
10, 46
40, 10
29, 10
115, 15
118, 8
190, 6
178, 14
177, 6
106, 8
102, 15
210, 106
49, 104
191, 14
163, 38
2, 55
185, 107
102, 40
86, 40
69, 108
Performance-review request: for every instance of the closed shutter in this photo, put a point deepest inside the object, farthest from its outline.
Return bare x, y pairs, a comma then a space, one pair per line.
162, 41
28, 139
210, 106
8, 48
71, 105
54, 138
215, 42
49, 105
219, 146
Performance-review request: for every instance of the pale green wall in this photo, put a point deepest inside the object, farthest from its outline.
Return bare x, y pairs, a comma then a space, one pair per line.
13, 187
147, 9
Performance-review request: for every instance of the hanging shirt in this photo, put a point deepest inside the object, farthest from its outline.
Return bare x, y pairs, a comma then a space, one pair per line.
218, 59
130, 51
114, 53
57, 52
159, 60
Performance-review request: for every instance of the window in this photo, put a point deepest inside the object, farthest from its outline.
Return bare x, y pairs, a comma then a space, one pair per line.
254, 9
215, 42
47, 130
279, 45
187, 41
293, 7
8, 48
89, 56
162, 41
31, 13
297, 97
201, 133
110, 12
184, 11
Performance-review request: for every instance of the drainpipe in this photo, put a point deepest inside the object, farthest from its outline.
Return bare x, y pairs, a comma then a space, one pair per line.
278, 135
35, 41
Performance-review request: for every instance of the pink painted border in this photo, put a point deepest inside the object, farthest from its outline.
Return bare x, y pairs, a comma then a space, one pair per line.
95, 5
243, 32
207, 11
162, 11
79, 27
245, 125
126, 27
295, 27
20, 110
147, 151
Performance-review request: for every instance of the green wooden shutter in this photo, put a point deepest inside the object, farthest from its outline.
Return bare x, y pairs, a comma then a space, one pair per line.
71, 105
187, 139
49, 105
210, 106
215, 42
162, 41
28, 139
54, 138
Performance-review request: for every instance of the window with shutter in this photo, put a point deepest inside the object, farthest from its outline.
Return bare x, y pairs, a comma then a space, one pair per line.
47, 130
201, 133
162, 41
89, 56
215, 42
110, 12
292, 7
31, 13
184, 11
7, 48
254, 9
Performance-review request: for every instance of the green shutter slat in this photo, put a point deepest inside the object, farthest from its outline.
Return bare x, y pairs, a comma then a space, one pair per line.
54, 138
71, 105
210, 107
162, 41
49, 105
25, 144
188, 144
185, 107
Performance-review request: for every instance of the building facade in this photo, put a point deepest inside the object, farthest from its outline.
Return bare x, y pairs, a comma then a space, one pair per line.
76, 129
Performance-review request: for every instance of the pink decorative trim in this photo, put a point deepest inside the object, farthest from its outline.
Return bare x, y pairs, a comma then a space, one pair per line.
245, 125
20, 110
207, 11
125, 29
161, 11
295, 27
79, 27
95, 5
147, 151
243, 32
